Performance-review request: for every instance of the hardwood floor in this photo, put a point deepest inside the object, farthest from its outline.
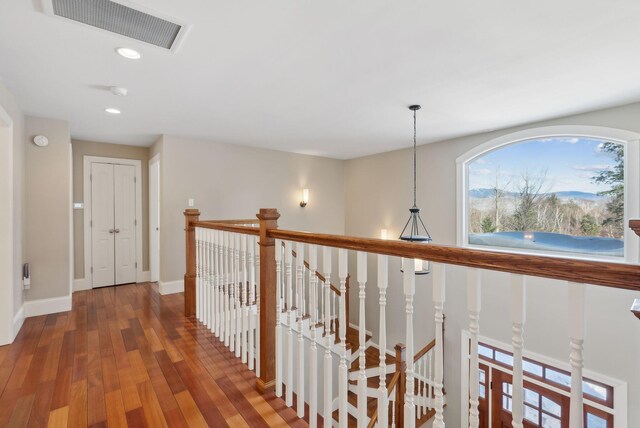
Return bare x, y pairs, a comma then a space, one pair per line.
126, 356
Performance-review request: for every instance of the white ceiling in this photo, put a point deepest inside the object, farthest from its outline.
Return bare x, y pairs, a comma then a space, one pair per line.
330, 78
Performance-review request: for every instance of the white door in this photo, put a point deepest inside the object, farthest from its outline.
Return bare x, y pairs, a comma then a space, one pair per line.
102, 229
125, 223
154, 220
113, 224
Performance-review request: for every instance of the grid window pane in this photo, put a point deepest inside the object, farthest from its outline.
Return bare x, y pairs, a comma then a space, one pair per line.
594, 390
531, 397
506, 403
507, 388
482, 376
557, 377
549, 421
551, 407
485, 351
594, 421
504, 358
531, 414
482, 392
532, 368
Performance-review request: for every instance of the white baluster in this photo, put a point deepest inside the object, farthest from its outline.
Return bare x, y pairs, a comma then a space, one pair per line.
212, 280
518, 316
393, 415
207, 283
221, 284
198, 271
227, 289
279, 348
252, 297
257, 288
473, 305
438, 303
343, 370
216, 278
328, 337
237, 297
313, 357
577, 331
362, 376
288, 362
335, 314
430, 378
409, 282
301, 314
244, 323
232, 292
383, 398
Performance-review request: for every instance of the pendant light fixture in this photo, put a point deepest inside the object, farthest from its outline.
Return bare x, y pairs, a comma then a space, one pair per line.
415, 230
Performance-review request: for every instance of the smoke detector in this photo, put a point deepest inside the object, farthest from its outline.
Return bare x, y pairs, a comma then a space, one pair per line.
119, 91
122, 17
41, 141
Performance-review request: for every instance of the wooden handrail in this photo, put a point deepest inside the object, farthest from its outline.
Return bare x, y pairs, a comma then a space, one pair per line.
241, 221
392, 384
424, 350
319, 275
635, 226
609, 274
227, 227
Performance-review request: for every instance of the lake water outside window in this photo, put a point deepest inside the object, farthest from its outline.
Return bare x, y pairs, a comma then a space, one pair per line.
559, 194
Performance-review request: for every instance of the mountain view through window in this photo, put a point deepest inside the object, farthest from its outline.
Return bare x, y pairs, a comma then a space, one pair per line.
560, 194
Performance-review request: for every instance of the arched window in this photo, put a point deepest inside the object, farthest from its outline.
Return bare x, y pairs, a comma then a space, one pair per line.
561, 191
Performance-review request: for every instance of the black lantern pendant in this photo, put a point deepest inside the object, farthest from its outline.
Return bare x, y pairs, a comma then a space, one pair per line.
415, 230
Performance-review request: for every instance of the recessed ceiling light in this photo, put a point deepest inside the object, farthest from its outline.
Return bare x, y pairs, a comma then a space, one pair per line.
112, 110
129, 53
119, 91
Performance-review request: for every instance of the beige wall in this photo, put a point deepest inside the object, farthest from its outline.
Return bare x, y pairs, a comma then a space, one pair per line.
91, 148
229, 181
11, 224
378, 195
48, 208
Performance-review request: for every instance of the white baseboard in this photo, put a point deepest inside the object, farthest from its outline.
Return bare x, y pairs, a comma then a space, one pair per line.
18, 320
81, 284
54, 305
171, 287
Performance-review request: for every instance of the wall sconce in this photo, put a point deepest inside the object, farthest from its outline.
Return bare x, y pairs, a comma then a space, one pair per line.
305, 198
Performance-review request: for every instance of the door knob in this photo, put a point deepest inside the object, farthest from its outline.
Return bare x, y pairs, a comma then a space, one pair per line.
111, 231
117, 230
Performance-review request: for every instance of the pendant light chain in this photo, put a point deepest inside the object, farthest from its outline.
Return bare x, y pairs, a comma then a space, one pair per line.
414, 158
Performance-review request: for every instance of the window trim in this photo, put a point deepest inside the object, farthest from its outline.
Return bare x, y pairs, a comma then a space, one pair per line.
631, 141
620, 395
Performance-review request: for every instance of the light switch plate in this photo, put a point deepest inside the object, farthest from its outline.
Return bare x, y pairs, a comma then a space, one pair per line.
190, 202
78, 205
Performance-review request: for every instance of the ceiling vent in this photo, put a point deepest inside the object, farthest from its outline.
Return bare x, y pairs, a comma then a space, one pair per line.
122, 18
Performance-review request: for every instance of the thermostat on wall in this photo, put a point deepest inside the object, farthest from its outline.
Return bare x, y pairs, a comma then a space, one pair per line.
41, 141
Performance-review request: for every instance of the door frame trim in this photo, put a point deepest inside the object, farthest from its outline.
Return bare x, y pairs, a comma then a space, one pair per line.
86, 172
153, 160
620, 393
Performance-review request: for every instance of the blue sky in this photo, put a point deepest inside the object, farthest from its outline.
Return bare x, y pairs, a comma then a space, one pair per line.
569, 162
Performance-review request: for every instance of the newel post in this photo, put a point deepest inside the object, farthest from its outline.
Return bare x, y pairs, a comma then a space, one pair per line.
268, 220
191, 215
400, 385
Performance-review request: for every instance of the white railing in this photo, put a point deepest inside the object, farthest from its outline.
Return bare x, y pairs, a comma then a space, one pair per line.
312, 355
227, 291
